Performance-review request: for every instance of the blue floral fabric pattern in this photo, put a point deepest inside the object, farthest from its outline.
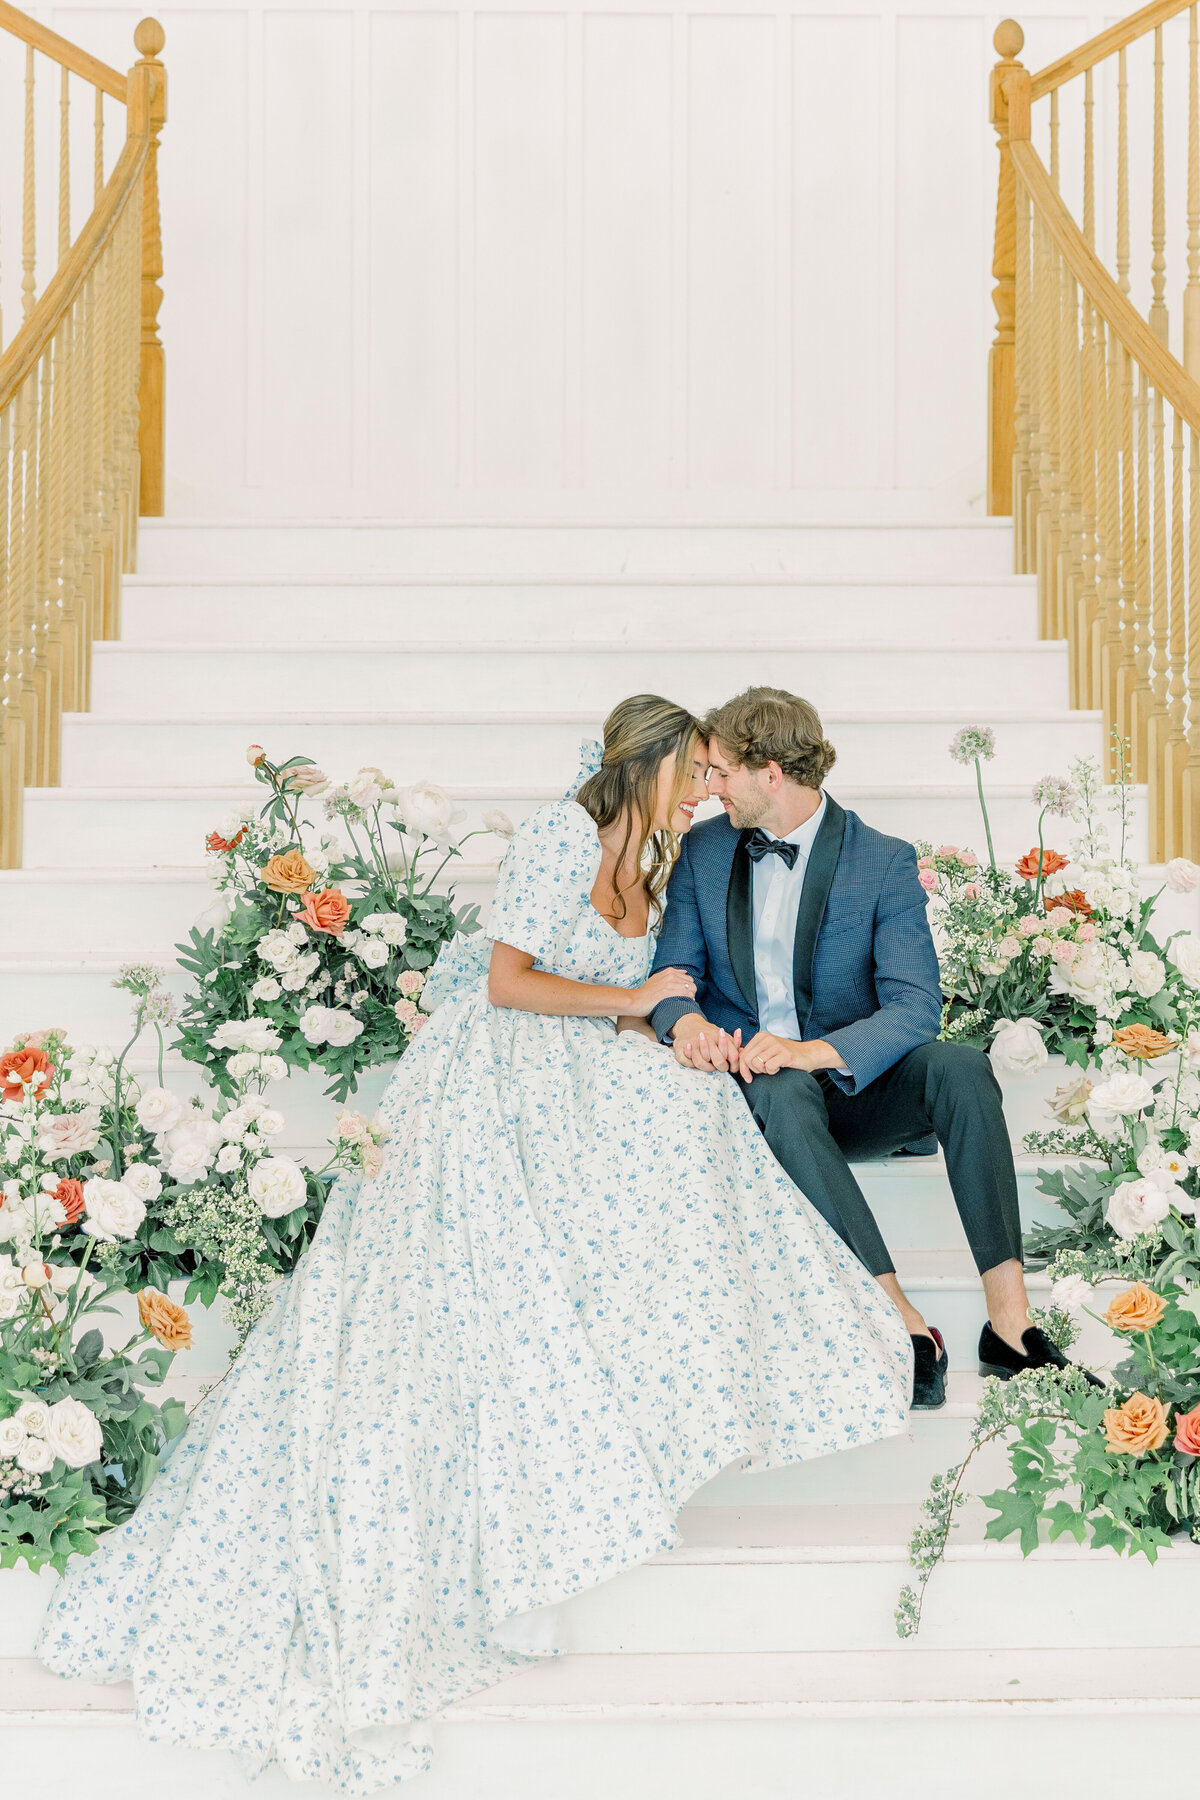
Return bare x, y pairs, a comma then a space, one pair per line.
578, 1289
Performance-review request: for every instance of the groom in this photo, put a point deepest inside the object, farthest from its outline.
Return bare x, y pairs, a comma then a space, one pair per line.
817, 985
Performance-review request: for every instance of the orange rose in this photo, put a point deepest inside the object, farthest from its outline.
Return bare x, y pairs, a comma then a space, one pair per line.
1187, 1432
1052, 862
70, 1193
1142, 1041
1075, 902
1138, 1426
288, 874
1139, 1308
169, 1323
327, 911
221, 846
19, 1071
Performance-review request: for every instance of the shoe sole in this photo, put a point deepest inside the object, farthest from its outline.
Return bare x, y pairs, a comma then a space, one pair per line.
998, 1370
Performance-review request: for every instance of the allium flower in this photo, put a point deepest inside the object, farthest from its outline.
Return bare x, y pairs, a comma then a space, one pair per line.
974, 743
1055, 794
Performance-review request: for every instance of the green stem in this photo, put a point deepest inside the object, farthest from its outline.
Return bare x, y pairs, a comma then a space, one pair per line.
1037, 886
116, 1119
983, 809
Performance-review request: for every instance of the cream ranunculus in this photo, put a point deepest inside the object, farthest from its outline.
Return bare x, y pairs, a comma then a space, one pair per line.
32, 1416
1018, 1048
429, 809
373, 953
278, 1185
1135, 1207
73, 1433
1123, 1092
1072, 1293
342, 1027
12, 1436
277, 948
158, 1110
113, 1213
1185, 954
246, 1034
143, 1180
394, 929
35, 1456
314, 1025
1146, 972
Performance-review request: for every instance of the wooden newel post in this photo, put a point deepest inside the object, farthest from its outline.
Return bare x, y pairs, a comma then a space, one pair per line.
1002, 394
147, 115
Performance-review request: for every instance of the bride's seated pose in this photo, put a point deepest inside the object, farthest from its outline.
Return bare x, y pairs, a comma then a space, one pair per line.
579, 1288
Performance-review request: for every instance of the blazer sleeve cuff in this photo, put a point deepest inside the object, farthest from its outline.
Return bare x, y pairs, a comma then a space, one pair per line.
844, 1077
665, 1017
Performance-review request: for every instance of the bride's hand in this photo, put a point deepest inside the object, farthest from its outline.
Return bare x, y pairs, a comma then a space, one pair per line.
668, 984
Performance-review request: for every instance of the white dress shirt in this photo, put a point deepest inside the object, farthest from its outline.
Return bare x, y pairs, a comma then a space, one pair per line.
777, 890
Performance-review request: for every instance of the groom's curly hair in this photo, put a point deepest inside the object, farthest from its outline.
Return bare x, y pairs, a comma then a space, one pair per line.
766, 725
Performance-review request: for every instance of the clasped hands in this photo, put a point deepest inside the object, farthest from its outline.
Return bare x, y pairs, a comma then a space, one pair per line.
699, 1045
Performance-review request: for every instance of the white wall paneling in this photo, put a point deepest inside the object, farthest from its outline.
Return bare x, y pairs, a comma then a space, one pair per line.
572, 257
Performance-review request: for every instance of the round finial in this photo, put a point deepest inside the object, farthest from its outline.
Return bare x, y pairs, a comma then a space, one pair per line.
149, 37
1009, 39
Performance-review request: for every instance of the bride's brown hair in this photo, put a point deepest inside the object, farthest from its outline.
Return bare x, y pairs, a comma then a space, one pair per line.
639, 735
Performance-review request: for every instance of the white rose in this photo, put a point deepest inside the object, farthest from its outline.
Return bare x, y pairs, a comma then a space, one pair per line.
273, 1068
1151, 1159
270, 1122
277, 948
143, 1180
158, 1110
1017, 1048
364, 790
1182, 875
1136, 1206
1072, 1293
35, 1457
215, 916
266, 989
374, 953
12, 1436
342, 1027
278, 1185
1088, 979
10, 1304
394, 929
67, 1134
1185, 954
73, 1433
243, 1063
189, 1163
113, 1212
1123, 1092
498, 823
229, 1159
1146, 972
314, 1024
427, 808
32, 1417
296, 978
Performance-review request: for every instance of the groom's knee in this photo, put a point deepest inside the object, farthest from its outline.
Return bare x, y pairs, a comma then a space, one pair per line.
793, 1092
954, 1071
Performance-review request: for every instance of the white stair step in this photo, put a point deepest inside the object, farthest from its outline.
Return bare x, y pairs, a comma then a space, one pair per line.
245, 548
153, 826
412, 609
537, 748
531, 674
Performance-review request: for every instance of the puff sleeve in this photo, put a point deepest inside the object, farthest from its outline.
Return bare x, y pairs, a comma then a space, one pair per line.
546, 880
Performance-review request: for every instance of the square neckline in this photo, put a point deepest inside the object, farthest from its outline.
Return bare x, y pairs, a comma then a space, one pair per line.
627, 937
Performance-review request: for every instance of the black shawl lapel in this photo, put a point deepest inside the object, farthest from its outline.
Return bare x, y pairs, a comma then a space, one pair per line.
818, 880
739, 924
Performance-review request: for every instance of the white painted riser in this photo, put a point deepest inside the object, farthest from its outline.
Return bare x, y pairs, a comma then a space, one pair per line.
697, 609
67, 826
535, 750
974, 549
126, 678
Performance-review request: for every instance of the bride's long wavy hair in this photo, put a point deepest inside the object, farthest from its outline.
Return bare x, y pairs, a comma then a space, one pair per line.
639, 735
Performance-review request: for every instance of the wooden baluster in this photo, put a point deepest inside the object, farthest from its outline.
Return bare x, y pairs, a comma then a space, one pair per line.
1127, 510
1054, 164
1022, 455
1156, 735
29, 200
1087, 599
1008, 40
45, 644
1175, 748
24, 472
64, 166
98, 148
1122, 175
1089, 162
1050, 541
1142, 696
1063, 368
1191, 292
1109, 541
1158, 224
1189, 803
147, 113
12, 725
1074, 614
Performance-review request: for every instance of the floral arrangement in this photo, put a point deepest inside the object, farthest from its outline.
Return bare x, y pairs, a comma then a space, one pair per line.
320, 942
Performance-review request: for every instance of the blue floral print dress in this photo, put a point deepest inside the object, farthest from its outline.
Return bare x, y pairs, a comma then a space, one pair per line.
578, 1289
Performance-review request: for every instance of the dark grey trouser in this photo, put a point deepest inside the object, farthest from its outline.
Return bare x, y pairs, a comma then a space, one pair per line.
812, 1128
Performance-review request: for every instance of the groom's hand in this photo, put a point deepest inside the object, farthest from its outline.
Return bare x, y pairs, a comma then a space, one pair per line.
766, 1054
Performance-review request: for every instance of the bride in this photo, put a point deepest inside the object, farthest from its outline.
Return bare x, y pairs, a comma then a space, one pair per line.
578, 1289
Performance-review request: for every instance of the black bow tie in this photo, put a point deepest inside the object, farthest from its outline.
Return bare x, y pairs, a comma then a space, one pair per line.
758, 845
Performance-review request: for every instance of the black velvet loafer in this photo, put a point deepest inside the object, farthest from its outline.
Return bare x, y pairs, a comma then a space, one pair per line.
930, 1363
1000, 1359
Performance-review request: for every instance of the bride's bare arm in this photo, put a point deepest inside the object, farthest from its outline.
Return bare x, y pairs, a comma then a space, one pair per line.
513, 981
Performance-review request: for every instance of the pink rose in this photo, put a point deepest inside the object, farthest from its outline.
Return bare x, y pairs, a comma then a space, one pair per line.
971, 891
946, 850
924, 862
411, 982
1059, 915
1062, 951
67, 1134
968, 859
1085, 934
928, 880
1029, 926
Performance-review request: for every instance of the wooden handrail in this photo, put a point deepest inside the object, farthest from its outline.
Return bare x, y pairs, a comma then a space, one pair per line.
26, 348
1105, 44
67, 55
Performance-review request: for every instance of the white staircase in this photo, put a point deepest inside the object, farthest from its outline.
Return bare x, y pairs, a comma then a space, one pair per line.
759, 1660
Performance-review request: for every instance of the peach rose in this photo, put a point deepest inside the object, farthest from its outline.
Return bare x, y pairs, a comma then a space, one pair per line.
327, 911
69, 1194
1052, 862
1187, 1432
1138, 1426
169, 1323
1139, 1308
288, 873
1142, 1041
1074, 902
19, 1072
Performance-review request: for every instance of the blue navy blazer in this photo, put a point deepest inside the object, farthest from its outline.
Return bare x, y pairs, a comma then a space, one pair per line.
865, 969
